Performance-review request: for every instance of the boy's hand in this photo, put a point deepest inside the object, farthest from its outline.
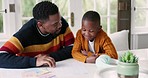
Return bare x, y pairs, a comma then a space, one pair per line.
91, 59
84, 52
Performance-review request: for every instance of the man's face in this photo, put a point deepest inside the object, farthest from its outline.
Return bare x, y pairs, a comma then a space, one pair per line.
53, 25
90, 29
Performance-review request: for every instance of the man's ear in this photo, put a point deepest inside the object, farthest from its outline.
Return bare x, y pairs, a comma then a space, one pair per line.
39, 24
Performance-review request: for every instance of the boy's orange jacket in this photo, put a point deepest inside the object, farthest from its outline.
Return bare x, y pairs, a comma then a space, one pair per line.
102, 44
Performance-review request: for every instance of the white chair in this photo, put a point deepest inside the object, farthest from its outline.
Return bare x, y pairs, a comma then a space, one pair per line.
120, 40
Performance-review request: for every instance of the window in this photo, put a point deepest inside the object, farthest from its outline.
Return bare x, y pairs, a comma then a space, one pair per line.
1, 17
107, 10
23, 12
139, 23
4, 31
27, 6
26, 9
139, 17
63, 7
11, 22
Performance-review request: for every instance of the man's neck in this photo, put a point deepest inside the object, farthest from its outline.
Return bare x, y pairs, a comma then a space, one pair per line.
44, 35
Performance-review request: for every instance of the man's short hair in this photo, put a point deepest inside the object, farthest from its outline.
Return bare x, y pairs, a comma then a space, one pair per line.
44, 9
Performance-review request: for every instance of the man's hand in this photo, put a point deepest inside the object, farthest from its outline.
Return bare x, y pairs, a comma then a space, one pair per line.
45, 60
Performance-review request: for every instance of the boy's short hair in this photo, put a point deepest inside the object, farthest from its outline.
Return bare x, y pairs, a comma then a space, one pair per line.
92, 16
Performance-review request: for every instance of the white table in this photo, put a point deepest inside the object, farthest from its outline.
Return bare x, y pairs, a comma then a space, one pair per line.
69, 68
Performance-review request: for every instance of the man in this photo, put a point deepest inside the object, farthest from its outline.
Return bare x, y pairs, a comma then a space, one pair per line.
40, 42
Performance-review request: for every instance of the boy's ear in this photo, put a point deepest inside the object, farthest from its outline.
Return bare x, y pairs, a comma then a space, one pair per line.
100, 26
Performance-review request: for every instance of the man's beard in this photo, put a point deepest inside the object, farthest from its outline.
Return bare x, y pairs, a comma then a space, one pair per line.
57, 32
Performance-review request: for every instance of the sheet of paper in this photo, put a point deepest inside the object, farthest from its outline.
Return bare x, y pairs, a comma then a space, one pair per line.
38, 73
26, 73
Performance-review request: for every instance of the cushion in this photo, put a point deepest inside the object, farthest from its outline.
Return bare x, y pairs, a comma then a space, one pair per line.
120, 40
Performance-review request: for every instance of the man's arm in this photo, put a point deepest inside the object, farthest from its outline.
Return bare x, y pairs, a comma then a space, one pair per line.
65, 52
11, 61
62, 54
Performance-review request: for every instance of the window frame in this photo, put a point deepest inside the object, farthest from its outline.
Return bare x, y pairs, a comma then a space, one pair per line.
15, 23
8, 28
134, 29
106, 17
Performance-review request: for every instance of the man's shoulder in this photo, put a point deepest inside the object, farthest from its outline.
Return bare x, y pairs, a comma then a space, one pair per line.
28, 28
64, 22
31, 23
64, 25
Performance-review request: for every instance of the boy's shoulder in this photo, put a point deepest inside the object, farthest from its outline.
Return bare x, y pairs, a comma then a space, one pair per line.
79, 32
102, 33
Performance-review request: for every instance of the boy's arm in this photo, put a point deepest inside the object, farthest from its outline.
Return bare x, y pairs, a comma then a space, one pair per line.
76, 51
109, 48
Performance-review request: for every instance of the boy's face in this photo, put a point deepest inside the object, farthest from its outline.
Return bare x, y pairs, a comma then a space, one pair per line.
90, 29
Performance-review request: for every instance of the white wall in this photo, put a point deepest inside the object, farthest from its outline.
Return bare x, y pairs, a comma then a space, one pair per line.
1, 43
142, 41
139, 41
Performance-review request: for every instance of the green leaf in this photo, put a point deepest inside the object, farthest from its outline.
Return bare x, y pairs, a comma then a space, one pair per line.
128, 57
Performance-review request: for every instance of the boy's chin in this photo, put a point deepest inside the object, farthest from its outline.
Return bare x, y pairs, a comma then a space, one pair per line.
90, 40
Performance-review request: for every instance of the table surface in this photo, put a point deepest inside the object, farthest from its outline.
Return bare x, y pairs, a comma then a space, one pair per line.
69, 68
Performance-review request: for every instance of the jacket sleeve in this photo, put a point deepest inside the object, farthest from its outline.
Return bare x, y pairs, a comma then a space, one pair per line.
8, 60
109, 48
76, 54
62, 54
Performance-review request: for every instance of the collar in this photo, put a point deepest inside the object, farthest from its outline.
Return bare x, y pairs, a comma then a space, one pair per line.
44, 35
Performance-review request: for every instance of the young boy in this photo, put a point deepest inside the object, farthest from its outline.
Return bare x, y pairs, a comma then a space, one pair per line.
91, 41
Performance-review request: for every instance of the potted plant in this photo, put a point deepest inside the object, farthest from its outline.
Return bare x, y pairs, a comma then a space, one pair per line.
127, 66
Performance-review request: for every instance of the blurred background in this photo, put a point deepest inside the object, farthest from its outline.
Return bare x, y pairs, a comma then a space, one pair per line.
116, 15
